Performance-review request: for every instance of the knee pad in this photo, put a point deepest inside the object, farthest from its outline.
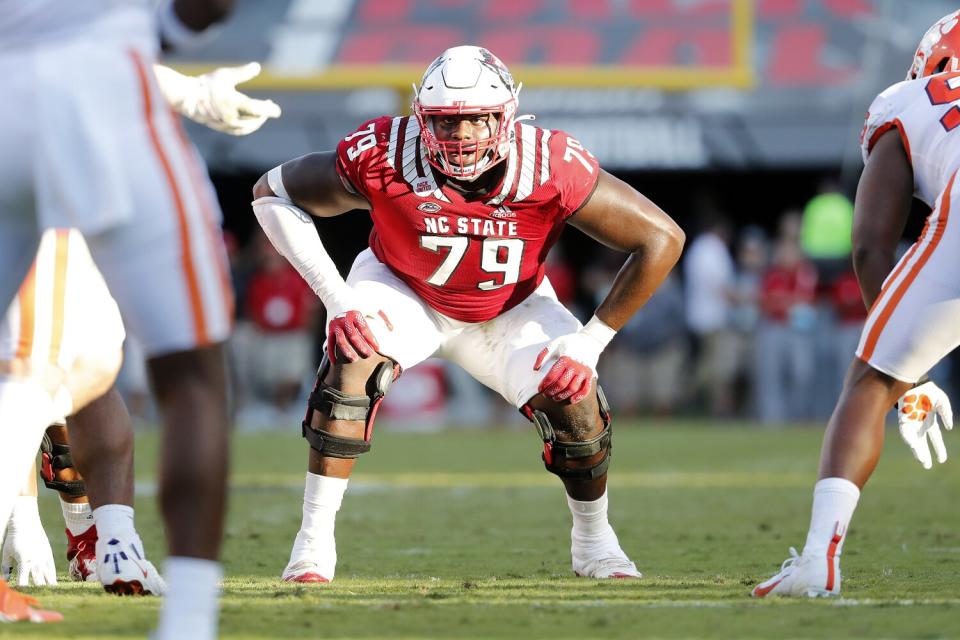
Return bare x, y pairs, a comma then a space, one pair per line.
337, 405
56, 457
556, 453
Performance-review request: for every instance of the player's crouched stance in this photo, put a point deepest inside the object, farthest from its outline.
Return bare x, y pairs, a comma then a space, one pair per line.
466, 201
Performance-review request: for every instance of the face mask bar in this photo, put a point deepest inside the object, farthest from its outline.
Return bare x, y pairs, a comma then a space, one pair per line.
488, 152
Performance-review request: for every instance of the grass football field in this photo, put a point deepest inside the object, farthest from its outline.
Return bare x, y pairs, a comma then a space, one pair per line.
463, 535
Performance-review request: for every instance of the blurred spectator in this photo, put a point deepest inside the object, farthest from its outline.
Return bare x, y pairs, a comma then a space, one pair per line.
752, 260
280, 308
642, 369
827, 224
785, 358
709, 277
850, 314
826, 232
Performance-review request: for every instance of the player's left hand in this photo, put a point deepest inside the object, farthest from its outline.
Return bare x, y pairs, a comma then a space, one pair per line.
571, 376
211, 99
26, 548
917, 413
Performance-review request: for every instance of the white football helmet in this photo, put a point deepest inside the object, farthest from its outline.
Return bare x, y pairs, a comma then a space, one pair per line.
461, 81
939, 49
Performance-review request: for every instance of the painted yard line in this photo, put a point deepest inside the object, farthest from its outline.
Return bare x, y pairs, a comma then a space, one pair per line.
332, 599
385, 482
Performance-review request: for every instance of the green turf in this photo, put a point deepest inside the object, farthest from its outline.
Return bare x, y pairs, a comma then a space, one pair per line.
463, 535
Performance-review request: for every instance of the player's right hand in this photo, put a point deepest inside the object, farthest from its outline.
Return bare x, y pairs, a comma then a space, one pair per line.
917, 413
211, 99
26, 548
350, 334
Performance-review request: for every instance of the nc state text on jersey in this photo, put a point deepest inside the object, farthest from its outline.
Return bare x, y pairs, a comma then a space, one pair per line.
470, 226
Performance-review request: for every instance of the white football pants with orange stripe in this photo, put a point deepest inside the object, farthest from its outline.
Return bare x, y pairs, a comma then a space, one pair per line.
93, 145
913, 323
61, 345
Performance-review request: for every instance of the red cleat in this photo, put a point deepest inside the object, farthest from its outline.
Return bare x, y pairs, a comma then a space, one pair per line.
309, 576
82, 555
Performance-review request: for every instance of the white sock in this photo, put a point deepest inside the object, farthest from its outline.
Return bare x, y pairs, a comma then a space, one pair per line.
25, 411
322, 496
589, 518
114, 521
77, 516
834, 500
190, 608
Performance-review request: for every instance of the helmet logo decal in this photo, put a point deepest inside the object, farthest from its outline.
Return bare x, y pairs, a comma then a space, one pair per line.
493, 63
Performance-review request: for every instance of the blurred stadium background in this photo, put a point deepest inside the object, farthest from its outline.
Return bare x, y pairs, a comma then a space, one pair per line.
739, 117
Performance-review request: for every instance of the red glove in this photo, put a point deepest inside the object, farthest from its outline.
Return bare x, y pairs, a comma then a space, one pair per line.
350, 333
572, 374
567, 378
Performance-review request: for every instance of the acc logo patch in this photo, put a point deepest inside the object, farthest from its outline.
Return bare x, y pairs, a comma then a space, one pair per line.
428, 207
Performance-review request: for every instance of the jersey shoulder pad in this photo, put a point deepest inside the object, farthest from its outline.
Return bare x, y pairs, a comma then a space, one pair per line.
363, 150
574, 171
885, 112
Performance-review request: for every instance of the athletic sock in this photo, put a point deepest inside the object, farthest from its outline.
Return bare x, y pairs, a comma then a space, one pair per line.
322, 496
77, 516
834, 500
190, 607
115, 521
589, 519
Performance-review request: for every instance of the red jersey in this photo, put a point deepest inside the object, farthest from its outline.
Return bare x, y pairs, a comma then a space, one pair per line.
470, 258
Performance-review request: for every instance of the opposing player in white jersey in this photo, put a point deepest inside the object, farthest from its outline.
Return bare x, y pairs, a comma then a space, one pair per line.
466, 201
63, 312
911, 146
89, 143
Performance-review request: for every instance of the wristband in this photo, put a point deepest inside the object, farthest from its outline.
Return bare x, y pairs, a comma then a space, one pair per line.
599, 331
275, 182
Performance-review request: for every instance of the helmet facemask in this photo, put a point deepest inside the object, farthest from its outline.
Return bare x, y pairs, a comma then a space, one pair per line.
487, 151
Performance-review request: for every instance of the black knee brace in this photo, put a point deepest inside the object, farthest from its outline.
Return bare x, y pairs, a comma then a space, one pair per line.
56, 457
557, 452
337, 405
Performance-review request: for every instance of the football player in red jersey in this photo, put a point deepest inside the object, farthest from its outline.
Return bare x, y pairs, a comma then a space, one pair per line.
466, 201
910, 150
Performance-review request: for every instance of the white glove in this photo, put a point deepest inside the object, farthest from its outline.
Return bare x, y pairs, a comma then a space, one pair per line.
212, 100
917, 412
26, 546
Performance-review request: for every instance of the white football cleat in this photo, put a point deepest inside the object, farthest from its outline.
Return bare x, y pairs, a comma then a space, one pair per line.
303, 571
124, 570
601, 559
311, 560
806, 576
